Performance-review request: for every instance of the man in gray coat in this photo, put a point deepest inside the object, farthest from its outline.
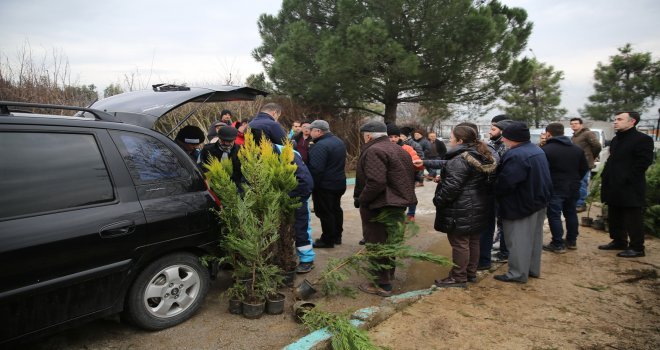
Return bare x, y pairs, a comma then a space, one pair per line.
385, 178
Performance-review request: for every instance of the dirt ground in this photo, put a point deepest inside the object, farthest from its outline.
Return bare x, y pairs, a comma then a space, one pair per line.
585, 299
582, 300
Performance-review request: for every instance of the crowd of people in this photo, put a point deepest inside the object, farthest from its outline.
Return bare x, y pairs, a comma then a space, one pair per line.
497, 190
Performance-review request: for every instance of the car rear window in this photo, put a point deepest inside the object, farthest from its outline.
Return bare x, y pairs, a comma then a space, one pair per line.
43, 172
148, 159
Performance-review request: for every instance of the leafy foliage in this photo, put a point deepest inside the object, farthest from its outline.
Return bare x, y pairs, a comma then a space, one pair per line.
345, 336
350, 54
630, 82
534, 95
652, 213
252, 217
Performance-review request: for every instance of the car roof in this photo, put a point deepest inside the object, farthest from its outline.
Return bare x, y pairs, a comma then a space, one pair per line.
145, 107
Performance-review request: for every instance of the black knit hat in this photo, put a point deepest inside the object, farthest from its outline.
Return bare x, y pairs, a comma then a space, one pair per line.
502, 124
516, 131
191, 135
498, 118
393, 130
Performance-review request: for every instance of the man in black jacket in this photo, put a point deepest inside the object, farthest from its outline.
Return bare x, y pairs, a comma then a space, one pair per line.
567, 167
327, 160
624, 184
225, 148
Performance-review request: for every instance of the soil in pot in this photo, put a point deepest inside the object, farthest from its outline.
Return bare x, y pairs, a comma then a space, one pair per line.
275, 304
235, 306
253, 308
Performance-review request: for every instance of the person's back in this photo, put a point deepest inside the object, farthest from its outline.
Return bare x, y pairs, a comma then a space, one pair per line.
567, 164
327, 162
266, 121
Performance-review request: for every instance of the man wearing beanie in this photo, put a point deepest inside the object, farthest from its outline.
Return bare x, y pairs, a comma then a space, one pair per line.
523, 189
497, 125
384, 180
224, 148
327, 162
190, 139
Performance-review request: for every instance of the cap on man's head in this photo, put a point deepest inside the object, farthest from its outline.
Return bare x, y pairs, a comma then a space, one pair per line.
502, 124
227, 133
393, 130
498, 118
374, 126
517, 132
191, 135
226, 111
406, 130
320, 124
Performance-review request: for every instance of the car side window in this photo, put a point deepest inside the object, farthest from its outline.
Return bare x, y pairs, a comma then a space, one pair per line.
42, 172
148, 159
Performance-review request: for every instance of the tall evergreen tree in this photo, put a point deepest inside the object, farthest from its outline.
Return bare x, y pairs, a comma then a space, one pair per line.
349, 54
631, 81
534, 95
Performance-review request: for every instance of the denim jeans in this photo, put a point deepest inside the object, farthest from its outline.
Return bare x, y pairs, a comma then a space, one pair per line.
562, 204
584, 189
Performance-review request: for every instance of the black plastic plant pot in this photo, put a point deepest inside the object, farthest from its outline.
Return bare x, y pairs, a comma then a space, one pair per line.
300, 308
586, 221
235, 306
289, 278
253, 309
304, 290
599, 224
275, 304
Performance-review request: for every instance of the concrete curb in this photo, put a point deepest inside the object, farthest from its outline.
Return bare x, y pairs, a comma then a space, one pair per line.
364, 318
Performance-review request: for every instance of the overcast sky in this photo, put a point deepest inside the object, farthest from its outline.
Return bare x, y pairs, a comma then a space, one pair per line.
199, 42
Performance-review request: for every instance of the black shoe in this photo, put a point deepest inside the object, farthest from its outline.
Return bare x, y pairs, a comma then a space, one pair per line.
305, 267
500, 258
338, 241
629, 253
484, 267
505, 278
362, 242
472, 279
321, 244
554, 248
571, 245
533, 275
613, 246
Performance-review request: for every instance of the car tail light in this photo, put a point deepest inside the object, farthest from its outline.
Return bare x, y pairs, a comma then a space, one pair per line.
215, 197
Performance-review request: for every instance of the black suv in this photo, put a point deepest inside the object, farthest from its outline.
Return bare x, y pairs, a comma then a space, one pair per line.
98, 216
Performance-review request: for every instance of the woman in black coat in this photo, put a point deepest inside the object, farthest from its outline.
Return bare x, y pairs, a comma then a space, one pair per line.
463, 201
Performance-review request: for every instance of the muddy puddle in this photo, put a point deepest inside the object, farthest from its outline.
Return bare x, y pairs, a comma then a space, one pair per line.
421, 274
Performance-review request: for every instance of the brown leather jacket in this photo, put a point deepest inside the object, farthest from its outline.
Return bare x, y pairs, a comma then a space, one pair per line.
589, 143
385, 176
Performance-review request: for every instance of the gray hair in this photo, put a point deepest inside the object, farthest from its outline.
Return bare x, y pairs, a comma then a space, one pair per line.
375, 135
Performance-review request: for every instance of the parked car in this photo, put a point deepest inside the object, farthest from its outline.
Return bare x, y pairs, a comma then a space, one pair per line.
535, 137
99, 216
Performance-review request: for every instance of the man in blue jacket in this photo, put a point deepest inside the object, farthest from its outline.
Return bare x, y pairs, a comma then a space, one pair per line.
567, 167
523, 189
266, 121
327, 160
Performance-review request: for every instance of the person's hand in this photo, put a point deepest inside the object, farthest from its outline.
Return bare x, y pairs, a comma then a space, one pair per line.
356, 203
418, 162
436, 179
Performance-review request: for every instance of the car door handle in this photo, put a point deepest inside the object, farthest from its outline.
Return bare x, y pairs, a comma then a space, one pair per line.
117, 229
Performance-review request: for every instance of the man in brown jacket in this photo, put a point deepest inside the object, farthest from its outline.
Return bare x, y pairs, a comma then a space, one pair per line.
588, 141
385, 179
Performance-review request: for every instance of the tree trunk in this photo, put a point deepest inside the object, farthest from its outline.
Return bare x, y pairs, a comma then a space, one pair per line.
390, 112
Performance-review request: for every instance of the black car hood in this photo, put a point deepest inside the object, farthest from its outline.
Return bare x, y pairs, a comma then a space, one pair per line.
144, 107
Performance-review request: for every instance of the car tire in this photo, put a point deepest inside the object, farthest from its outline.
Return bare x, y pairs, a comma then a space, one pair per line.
167, 292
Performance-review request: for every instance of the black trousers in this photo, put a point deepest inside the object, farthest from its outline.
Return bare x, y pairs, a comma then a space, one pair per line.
327, 207
625, 223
